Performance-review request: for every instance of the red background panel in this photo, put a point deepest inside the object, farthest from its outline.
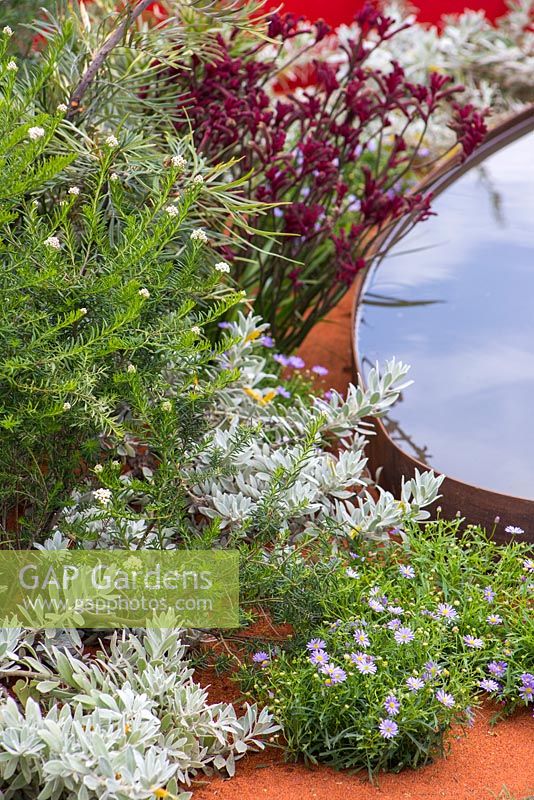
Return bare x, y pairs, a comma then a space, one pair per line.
337, 12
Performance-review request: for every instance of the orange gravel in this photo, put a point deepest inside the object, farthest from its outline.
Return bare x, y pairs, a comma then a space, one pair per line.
488, 763
481, 766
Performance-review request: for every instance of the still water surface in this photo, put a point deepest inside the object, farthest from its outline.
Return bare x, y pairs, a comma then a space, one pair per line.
470, 412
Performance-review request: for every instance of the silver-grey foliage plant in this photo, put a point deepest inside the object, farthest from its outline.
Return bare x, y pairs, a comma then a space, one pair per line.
132, 725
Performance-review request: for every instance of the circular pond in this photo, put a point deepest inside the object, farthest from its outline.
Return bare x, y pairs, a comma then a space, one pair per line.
455, 300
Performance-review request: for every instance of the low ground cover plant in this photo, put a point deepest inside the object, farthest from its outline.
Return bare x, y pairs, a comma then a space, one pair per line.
411, 636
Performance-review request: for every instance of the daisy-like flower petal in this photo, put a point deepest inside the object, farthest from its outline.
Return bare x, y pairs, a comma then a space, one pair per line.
316, 644
445, 698
361, 637
404, 635
350, 572
497, 668
333, 674
489, 594
319, 657
261, 657
392, 705
446, 611
388, 728
474, 642
414, 684
514, 529
407, 571
489, 685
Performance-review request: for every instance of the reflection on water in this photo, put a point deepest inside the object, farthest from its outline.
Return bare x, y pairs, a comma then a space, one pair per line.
460, 309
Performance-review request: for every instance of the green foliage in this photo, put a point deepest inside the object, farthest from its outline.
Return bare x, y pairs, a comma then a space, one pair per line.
101, 296
462, 604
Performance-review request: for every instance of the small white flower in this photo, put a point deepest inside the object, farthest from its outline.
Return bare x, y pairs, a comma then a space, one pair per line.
115, 463
103, 496
62, 108
514, 529
144, 293
7, 31
83, 311
172, 211
199, 235
98, 468
53, 242
131, 368
112, 141
166, 405
198, 180
12, 66
114, 176
74, 190
222, 266
36, 132
67, 406
178, 161
196, 330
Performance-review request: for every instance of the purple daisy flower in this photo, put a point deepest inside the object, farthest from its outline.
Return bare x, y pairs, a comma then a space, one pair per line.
364, 663
527, 693
432, 670
352, 573
266, 341
361, 637
407, 571
494, 619
489, 594
261, 657
316, 644
224, 325
318, 370
392, 705
393, 624
497, 668
333, 674
489, 685
474, 642
296, 362
328, 395
445, 698
319, 657
375, 605
446, 611
396, 610
283, 392
404, 635
528, 564
527, 678
414, 684
388, 728
282, 360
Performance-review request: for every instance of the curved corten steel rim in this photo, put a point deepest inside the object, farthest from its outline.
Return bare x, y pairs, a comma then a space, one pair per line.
474, 503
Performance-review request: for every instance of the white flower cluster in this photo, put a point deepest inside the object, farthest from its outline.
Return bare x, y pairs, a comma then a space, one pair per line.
134, 725
36, 132
199, 235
